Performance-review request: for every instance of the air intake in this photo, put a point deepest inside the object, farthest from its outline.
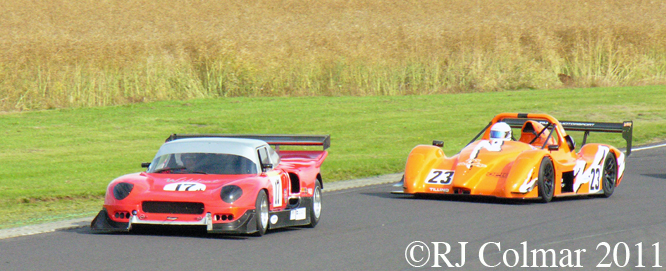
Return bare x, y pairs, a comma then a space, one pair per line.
161, 207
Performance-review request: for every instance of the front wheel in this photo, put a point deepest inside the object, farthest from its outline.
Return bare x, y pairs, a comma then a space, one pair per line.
315, 210
610, 175
261, 207
546, 181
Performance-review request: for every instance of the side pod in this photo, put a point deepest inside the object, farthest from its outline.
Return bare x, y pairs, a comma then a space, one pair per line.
521, 181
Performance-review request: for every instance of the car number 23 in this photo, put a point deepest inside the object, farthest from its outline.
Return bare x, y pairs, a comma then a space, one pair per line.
438, 176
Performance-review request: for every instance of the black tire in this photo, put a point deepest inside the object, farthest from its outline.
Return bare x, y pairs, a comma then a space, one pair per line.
261, 212
315, 209
610, 175
546, 181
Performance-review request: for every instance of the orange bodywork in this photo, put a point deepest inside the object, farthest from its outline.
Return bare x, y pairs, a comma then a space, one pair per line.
510, 169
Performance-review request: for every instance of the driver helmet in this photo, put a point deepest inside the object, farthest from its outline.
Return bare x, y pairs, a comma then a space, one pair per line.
190, 157
500, 131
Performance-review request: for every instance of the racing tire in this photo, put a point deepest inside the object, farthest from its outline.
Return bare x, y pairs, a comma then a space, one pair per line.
610, 175
546, 180
261, 211
315, 210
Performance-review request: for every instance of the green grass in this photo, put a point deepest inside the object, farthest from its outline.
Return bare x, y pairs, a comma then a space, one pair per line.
55, 164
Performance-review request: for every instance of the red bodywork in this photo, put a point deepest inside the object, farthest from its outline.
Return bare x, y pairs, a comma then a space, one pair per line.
195, 199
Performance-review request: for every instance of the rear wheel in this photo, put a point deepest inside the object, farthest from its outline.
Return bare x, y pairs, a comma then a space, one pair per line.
315, 210
261, 207
610, 175
546, 181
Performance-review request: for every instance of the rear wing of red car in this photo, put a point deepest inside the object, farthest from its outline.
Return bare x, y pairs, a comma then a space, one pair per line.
293, 140
626, 128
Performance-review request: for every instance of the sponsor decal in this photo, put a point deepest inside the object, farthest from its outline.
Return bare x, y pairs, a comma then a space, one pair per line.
502, 175
187, 179
578, 124
445, 190
185, 186
274, 219
489, 145
297, 214
469, 163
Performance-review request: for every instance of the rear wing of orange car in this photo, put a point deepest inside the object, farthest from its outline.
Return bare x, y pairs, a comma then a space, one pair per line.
626, 128
294, 140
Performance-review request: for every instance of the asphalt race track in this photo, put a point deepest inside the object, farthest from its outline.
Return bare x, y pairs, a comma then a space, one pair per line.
370, 229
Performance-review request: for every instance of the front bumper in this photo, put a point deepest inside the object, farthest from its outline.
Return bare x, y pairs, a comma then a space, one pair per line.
245, 224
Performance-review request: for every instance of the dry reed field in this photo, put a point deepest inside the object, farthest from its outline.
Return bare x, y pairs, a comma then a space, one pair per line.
64, 53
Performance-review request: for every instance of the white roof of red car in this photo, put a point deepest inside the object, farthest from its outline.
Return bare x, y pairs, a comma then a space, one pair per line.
236, 146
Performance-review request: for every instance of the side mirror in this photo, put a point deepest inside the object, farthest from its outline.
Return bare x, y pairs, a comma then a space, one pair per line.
266, 167
553, 147
438, 143
570, 142
146, 165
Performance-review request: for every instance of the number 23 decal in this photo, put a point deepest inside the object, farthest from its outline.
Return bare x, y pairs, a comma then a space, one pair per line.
438, 176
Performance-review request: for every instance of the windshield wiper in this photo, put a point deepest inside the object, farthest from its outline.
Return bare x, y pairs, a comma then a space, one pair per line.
168, 169
178, 168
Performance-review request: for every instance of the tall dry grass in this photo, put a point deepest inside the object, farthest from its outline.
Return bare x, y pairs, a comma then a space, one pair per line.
62, 53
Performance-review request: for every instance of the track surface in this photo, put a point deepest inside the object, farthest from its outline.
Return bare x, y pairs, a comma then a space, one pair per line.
369, 228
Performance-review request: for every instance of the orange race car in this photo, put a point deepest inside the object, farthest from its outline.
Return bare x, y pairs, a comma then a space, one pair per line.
541, 163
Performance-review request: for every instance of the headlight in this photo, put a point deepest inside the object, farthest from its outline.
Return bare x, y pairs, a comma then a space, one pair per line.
122, 190
231, 193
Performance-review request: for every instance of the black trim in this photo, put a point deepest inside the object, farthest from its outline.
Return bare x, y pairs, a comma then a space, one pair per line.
550, 135
245, 224
627, 134
102, 223
173, 207
302, 140
122, 190
284, 216
540, 133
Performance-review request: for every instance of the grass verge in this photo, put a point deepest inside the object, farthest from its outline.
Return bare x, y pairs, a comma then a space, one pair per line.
56, 163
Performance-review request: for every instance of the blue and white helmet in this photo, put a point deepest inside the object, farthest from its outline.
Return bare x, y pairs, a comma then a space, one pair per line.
500, 131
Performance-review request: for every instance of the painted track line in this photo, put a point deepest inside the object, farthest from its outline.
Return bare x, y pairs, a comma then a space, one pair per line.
648, 147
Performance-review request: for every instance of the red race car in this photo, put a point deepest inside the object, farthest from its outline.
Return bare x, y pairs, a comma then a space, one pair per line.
225, 183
